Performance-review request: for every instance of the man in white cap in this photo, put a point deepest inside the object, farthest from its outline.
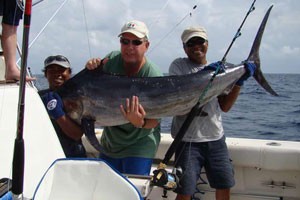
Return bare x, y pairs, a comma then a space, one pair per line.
203, 145
58, 70
130, 147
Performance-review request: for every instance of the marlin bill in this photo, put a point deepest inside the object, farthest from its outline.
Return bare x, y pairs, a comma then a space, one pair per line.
97, 96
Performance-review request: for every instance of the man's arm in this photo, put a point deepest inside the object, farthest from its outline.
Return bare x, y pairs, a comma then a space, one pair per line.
227, 101
54, 106
69, 127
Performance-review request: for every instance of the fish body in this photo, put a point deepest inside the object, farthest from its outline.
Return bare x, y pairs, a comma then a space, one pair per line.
98, 96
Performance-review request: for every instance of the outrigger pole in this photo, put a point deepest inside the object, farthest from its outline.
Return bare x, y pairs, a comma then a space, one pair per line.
161, 177
19, 157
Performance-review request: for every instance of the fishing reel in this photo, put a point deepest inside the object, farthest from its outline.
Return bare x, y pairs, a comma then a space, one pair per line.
162, 178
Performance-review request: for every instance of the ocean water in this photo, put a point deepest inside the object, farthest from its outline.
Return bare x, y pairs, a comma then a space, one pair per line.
257, 114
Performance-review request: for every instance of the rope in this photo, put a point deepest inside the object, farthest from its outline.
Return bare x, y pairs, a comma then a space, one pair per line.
44, 27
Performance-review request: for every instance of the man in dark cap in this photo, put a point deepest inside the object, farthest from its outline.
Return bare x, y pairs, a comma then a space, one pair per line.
57, 71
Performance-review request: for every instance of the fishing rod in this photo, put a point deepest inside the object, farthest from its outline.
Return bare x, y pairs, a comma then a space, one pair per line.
19, 157
238, 33
170, 180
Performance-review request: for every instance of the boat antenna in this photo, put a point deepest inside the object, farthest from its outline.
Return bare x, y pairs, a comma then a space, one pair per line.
160, 178
18, 157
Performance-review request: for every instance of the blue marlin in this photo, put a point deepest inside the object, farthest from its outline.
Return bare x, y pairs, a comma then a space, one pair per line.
93, 96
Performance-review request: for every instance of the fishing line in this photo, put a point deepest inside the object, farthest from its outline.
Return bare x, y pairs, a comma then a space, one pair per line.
44, 27
219, 64
238, 33
37, 2
50, 19
176, 25
159, 14
86, 29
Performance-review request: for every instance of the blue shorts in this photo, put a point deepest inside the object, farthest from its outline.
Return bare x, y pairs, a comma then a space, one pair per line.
213, 156
129, 165
11, 12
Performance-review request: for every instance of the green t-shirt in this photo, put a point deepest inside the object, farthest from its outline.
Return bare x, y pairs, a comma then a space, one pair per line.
126, 140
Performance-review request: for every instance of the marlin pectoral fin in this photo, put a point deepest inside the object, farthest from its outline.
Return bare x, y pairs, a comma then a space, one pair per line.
88, 126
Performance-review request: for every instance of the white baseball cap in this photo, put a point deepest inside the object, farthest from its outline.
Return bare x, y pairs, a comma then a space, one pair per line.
57, 60
137, 28
193, 32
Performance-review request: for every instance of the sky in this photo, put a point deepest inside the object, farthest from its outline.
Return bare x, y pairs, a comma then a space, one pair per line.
84, 29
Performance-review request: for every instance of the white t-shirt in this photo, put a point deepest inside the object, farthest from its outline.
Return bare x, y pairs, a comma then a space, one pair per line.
202, 129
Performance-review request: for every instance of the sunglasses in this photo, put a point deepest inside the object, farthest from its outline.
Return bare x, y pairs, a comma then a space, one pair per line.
133, 42
193, 42
58, 58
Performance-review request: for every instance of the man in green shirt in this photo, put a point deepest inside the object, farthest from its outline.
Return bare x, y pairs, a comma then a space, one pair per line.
130, 147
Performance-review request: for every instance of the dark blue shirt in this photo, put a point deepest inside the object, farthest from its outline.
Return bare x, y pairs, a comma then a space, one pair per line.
72, 148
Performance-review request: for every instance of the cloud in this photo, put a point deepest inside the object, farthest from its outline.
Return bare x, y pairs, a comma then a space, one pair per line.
92, 32
289, 51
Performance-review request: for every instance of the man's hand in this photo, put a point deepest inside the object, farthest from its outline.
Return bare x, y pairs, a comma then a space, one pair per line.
250, 69
134, 112
53, 104
95, 63
215, 66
